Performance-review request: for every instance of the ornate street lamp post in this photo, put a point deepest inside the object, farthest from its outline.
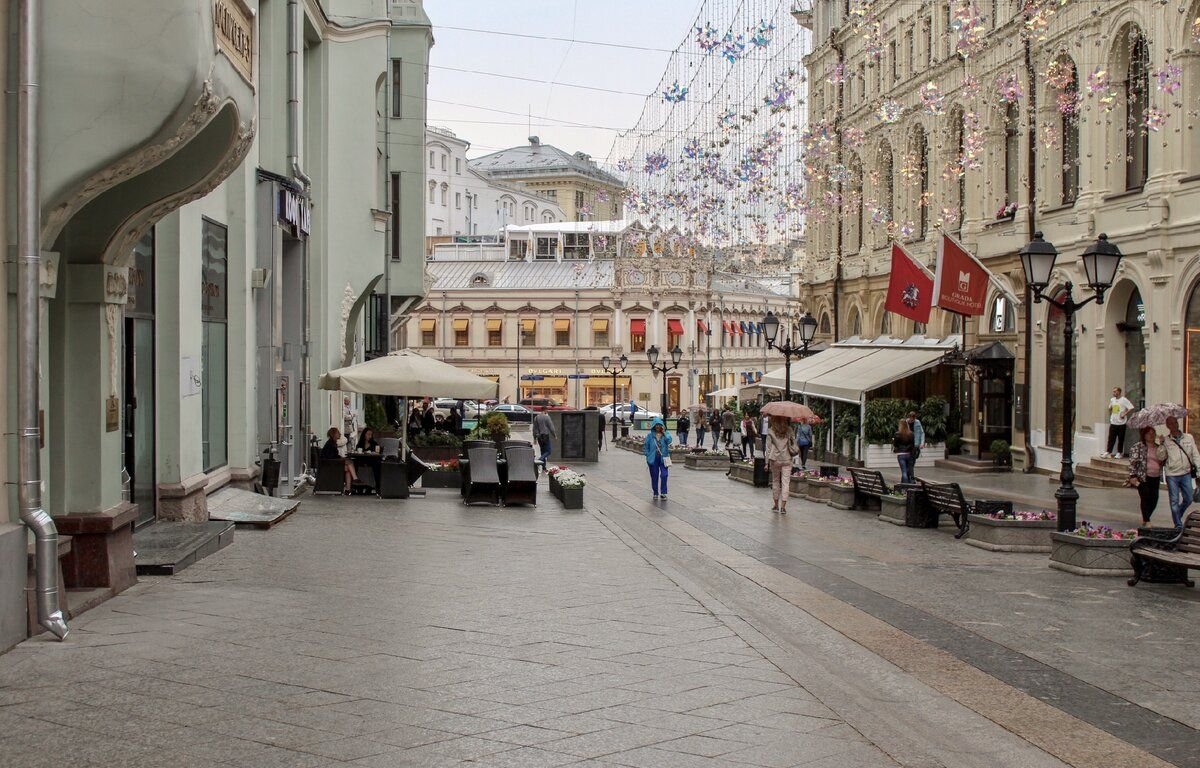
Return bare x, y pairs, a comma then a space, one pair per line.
614, 368
1100, 262
652, 356
807, 330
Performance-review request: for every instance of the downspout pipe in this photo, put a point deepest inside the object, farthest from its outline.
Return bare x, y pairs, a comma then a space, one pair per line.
295, 86
29, 470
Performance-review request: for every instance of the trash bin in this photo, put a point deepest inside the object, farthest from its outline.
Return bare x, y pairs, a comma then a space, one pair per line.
762, 478
918, 513
624, 430
993, 506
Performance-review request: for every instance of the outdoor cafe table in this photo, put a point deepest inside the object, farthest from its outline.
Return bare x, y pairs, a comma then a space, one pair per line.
367, 461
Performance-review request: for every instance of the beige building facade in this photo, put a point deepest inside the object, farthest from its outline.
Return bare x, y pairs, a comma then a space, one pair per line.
538, 312
929, 141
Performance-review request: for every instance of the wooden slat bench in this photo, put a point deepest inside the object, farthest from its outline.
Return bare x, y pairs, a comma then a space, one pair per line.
1167, 560
947, 499
869, 488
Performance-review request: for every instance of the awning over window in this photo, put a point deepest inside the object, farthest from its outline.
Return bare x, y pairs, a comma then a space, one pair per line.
600, 324
459, 323
604, 381
549, 382
745, 329
703, 326
428, 324
848, 373
562, 324
725, 324
528, 325
493, 324
637, 327
674, 327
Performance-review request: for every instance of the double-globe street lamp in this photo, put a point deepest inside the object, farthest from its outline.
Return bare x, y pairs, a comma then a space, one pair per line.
617, 367
652, 356
807, 330
1100, 262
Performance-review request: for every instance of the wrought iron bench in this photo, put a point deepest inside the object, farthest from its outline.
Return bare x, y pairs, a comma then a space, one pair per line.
869, 488
1167, 561
947, 499
736, 457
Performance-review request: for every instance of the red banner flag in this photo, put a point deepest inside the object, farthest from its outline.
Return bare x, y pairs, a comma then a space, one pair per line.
910, 287
961, 281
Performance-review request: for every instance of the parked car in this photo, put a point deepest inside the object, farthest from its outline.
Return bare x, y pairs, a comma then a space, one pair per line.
514, 412
544, 404
625, 412
442, 406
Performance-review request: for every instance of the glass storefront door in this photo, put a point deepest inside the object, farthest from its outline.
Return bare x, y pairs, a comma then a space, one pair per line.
1135, 350
139, 381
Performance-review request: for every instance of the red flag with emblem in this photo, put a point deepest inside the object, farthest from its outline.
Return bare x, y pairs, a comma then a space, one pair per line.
910, 287
961, 282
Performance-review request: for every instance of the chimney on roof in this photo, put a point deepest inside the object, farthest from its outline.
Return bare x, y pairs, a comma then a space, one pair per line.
584, 156
534, 141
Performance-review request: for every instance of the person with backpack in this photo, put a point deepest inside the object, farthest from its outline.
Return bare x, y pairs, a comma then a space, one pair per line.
804, 441
749, 435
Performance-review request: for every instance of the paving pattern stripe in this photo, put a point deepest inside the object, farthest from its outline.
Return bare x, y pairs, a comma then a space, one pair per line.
1043, 721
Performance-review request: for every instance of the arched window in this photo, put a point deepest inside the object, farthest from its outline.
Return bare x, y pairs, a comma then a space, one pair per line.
1135, 349
887, 188
854, 207
1012, 153
1056, 347
960, 149
1067, 101
885, 323
918, 328
920, 161
1192, 364
825, 328
1137, 104
855, 323
955, 323
1002, 318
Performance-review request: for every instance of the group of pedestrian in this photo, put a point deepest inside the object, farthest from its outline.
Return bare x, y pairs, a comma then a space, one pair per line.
719, 422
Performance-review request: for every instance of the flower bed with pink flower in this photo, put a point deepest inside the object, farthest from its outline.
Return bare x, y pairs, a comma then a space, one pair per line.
1092, 550
1023, 530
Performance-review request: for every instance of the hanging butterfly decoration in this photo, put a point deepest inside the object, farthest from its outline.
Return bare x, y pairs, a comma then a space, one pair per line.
762, 35
707, 37
732, 48
655, 162
675, 93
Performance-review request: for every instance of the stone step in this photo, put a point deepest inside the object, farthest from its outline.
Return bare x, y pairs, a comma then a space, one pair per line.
969, 464
166, 548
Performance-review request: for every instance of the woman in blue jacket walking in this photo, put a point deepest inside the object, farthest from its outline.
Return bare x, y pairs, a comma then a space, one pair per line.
658, 456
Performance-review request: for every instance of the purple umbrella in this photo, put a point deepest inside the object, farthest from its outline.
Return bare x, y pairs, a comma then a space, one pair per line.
1155, 415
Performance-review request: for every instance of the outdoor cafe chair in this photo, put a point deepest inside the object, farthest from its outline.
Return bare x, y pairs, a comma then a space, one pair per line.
522, 475
484, 482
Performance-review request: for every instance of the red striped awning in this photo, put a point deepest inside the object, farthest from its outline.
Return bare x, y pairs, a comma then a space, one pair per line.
674, 326
637, 327
703, 326
726, 326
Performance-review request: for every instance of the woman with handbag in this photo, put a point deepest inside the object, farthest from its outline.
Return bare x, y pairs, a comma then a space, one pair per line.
781, 447
1146, 460
657, 448
804, 440
903, 446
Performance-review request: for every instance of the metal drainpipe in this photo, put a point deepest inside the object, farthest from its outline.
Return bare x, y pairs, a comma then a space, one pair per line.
295, 86
1031, 223
29, 471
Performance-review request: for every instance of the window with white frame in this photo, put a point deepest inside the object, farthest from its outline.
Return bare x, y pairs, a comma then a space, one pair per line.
547, 248
575, 245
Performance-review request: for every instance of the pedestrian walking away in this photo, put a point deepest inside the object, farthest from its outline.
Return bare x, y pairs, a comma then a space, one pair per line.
543, 431
902, 446
728, 421
1118, 414
804, 441
1182, 460
749, 435
1146, 459
781, 447
657, 448
682, 425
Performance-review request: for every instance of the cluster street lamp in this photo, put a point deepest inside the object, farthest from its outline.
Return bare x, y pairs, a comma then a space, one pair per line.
1100, 262
652, 356
807, 330
614, 367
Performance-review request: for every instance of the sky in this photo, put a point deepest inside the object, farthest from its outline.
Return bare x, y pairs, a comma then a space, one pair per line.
467, 102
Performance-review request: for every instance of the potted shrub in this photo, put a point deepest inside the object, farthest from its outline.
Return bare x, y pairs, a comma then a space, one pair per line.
1012, 531
883, 416
1001, 453
442, 474
496, 428
566, 485
1092, 550
436, 446
892, 507
841, 493
954, 444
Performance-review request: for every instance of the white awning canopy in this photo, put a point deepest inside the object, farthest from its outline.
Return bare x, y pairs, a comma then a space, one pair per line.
846, 372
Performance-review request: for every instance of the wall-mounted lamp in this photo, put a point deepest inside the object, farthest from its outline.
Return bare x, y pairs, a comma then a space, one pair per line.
1155, 327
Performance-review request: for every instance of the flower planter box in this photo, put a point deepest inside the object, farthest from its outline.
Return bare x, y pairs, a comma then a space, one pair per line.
892, 509
841, 496
1010, 535
442, 478
817, 490
743, 473
571, 498
881, 456
709, 463
798, 487
436, 454
1084, 556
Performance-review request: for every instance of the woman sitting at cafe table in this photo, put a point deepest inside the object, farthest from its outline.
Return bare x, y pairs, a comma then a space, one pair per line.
366, 442
334, 450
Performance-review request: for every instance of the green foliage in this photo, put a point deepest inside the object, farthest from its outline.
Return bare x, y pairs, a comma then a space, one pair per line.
751, 408
436, 439
883, 416
933, 418
954, 444
731, 404
375, 415
846, 427
1000, 449
820, 431
497, 427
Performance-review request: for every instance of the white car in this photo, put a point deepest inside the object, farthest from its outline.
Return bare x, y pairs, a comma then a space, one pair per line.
625, 413
442, 406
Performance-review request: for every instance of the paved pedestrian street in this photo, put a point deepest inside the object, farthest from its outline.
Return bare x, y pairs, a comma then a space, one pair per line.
697, 631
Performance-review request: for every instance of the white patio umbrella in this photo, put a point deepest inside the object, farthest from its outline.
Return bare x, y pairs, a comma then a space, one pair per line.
407, 374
